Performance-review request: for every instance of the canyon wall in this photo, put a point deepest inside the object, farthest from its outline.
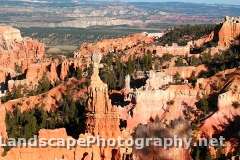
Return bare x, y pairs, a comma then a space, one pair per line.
186, 72
111, 46
48, 100
17, 51
159, 97
229, 31
55, 70
228, 108
205, 39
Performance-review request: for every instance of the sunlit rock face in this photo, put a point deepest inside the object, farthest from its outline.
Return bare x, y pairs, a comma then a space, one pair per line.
168, 104
205, 39
17, 51
103, 118
160, 96
186, 72
8, 36
228, 108
103, 47
230, 31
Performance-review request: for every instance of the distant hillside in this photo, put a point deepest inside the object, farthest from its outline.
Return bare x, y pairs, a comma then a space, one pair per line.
214, 10
83, 14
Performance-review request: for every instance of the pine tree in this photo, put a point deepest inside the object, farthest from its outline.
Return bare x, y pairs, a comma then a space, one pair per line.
79, 73
44, 85
130, 66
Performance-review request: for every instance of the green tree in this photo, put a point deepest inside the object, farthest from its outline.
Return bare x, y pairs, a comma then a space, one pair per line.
194, 61
167, 57
130, 66
200, 153
204, 105
79, 73
30, 125
206, 58
14, 94
41, 117
147, 62
44, 85
180, 62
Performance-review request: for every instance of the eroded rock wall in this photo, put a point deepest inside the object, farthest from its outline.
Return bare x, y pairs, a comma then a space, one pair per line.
230, 31
18, 51
111, 45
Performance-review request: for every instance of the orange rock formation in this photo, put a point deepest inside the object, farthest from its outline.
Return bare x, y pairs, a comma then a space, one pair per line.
111, 45
103, 118
15, 50
230, 31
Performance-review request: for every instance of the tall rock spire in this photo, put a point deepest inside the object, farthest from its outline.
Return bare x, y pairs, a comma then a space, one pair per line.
103, 118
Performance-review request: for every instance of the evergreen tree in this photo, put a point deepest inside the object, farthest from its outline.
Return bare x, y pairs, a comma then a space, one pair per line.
78, 73
180, 62
204, 106
44, 85
130, 66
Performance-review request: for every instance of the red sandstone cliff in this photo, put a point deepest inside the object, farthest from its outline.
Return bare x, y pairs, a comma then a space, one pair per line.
15, 50
49, 99
111, 45
205, 39
229, 32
